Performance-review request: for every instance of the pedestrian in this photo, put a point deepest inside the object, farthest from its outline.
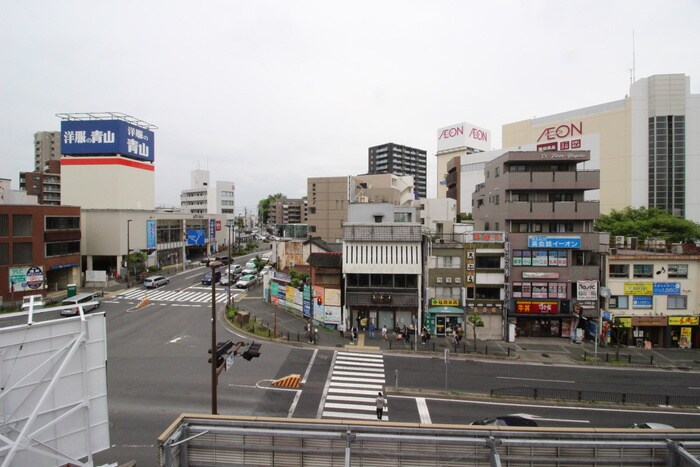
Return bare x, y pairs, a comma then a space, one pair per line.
372, 329
381, 404
341, 329
353, 333
384, 333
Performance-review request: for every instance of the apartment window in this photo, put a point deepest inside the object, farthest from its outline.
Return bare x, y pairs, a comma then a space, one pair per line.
4, 225
62, 248
619, 270
4, 254
643, 270
521, 227
488, 262
679, 271
620, 302
496, 172
312, 210
561, 227
22, 253
561, 197
518, 168
677, 302
402, 217
378, 219
21, 226
521, 197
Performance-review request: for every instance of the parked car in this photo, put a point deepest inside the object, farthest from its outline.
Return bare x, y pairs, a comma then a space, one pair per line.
249, 268
236, 268
88, 301
506, 420
206, 280
155, 281
246, 281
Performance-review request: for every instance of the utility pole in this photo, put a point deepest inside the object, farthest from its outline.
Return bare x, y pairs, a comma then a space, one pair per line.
213, 265
128, 253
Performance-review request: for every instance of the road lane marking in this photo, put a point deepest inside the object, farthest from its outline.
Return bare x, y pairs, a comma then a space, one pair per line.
293, 407
537, 379
423, 410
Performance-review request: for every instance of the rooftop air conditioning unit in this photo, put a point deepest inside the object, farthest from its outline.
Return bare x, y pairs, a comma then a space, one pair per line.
438, 280
448, 280
458, 280
619, 241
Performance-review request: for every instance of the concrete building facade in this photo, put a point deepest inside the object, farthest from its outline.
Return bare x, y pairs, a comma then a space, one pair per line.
47, 148
203, 197
538, 199
45, 184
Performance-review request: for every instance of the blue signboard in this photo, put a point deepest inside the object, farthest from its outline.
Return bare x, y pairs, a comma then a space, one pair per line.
84, 137
667, 288
196, 237
642, 301
150, 234
541, 241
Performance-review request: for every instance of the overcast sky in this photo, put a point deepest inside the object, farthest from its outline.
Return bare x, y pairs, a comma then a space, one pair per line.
268, 93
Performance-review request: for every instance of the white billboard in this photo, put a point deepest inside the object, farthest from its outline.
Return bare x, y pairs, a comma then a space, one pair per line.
461, 135
53, 405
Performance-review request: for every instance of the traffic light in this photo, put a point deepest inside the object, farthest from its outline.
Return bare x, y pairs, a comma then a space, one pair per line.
253, 351
222, 349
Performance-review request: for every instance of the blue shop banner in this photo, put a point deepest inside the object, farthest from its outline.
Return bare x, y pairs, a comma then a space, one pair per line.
541, 241
196, 237
642, 301
667, 288
150, 234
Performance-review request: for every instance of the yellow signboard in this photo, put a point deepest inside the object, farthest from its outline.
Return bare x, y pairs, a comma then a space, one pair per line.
639, 288
683, 320
623, 322
444, 302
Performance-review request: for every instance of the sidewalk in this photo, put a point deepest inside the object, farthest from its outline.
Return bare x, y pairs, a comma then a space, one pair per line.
290, 327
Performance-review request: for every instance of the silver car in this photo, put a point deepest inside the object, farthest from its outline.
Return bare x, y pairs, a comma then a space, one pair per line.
155, 281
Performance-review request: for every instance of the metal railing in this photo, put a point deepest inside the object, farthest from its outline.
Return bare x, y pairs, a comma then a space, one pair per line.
196, 440
597, 396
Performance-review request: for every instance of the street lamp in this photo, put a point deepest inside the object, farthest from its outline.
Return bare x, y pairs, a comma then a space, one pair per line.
213, 265
128, 253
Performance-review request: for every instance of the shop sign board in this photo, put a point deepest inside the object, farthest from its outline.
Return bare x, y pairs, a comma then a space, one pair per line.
536, 307
540, 275
667, 288
544, 241
22, 279
444, 302
642, 301
649, 321
587, 290
639, 288
683, 320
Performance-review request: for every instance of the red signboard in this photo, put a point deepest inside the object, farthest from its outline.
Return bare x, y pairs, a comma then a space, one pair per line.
536, 307
218, 225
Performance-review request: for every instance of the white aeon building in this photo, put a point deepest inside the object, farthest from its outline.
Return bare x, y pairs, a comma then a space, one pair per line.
107, 182
647, 145
456, 140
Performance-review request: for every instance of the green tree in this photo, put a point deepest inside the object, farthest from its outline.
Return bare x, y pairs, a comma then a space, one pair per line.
475, 321
264, 206
646, 223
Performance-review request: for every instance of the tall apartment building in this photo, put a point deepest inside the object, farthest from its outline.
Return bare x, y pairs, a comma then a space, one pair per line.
288, 211
47, 147
204, 198
538, 199
329, 197
400, 160
44, 184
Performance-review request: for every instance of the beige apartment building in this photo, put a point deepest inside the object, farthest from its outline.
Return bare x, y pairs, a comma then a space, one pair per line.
646, 145
329, 197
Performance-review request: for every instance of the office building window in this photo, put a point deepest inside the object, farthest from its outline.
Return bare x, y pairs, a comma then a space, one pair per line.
643, 271
677, 302
22, 253
620, 302
21, 226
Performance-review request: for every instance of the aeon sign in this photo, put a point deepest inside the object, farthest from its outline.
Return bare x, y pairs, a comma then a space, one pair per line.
463, 135
561, 132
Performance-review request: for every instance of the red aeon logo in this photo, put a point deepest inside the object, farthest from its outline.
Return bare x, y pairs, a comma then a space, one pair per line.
451, 132
478, 135
561, 131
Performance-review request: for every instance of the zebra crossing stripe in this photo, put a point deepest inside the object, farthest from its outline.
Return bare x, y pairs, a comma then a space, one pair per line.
367, 408
365, 400
375, 379
357, 392
351, 415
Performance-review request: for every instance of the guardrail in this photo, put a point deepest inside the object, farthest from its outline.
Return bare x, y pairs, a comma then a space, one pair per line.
597, 396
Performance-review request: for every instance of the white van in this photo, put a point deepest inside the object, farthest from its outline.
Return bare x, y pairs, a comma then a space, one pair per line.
80, 299
38, 302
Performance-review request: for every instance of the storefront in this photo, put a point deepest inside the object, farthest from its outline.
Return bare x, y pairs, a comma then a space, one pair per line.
446, 316
683, 332
541, 319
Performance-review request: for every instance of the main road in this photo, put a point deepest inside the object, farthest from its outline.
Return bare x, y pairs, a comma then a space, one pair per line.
157, 369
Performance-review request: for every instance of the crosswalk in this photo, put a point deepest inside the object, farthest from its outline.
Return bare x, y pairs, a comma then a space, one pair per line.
355, 381
186, 295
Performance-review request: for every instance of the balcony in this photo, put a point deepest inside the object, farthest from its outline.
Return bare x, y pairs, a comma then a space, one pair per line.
556, 210
575, 180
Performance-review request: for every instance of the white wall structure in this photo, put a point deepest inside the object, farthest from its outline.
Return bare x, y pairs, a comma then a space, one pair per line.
53, 405
456, 140
203, 197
